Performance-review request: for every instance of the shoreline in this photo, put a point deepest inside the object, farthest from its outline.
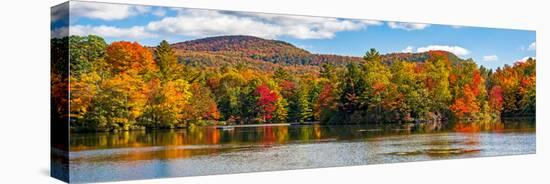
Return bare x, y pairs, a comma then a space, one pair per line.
230, 127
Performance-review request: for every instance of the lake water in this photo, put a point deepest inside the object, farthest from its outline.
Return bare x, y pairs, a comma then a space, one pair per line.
206, 150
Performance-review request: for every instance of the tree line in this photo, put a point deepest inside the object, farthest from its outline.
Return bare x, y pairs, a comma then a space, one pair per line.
124, 85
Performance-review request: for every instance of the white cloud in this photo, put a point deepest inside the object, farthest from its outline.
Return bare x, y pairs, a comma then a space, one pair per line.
407, 26
532, 46
372, 22
409, 49
457, 50
526, 58
139, 9
159, 12
59, 32
105, 11
490, 58
201, 23
135, 32
60, 12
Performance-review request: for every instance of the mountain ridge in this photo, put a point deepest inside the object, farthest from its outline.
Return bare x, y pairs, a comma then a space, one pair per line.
281, 52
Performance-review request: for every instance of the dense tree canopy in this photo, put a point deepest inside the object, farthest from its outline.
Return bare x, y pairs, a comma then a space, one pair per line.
123, 85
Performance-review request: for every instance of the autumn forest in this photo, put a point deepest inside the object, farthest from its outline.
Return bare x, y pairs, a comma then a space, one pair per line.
247, 80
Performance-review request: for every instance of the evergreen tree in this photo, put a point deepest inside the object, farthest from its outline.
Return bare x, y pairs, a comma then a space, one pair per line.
167, 61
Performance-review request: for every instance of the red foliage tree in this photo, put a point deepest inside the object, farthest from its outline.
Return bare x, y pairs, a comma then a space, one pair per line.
465, 105
129, 56
326, 101
496, 98
476, 82
287, 88
266, 102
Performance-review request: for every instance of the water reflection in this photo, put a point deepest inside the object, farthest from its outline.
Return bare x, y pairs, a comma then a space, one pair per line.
168, 144
207, 150
269, 135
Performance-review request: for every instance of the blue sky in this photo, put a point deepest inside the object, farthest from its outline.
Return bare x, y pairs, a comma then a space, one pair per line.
149, 25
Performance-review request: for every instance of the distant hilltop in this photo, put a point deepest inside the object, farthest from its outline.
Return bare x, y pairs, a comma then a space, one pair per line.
280, 52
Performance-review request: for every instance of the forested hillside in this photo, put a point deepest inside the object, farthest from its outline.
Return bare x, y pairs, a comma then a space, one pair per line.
229, 49
243, 80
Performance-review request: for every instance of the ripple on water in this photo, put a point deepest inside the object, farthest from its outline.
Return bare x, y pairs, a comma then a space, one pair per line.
435, 152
